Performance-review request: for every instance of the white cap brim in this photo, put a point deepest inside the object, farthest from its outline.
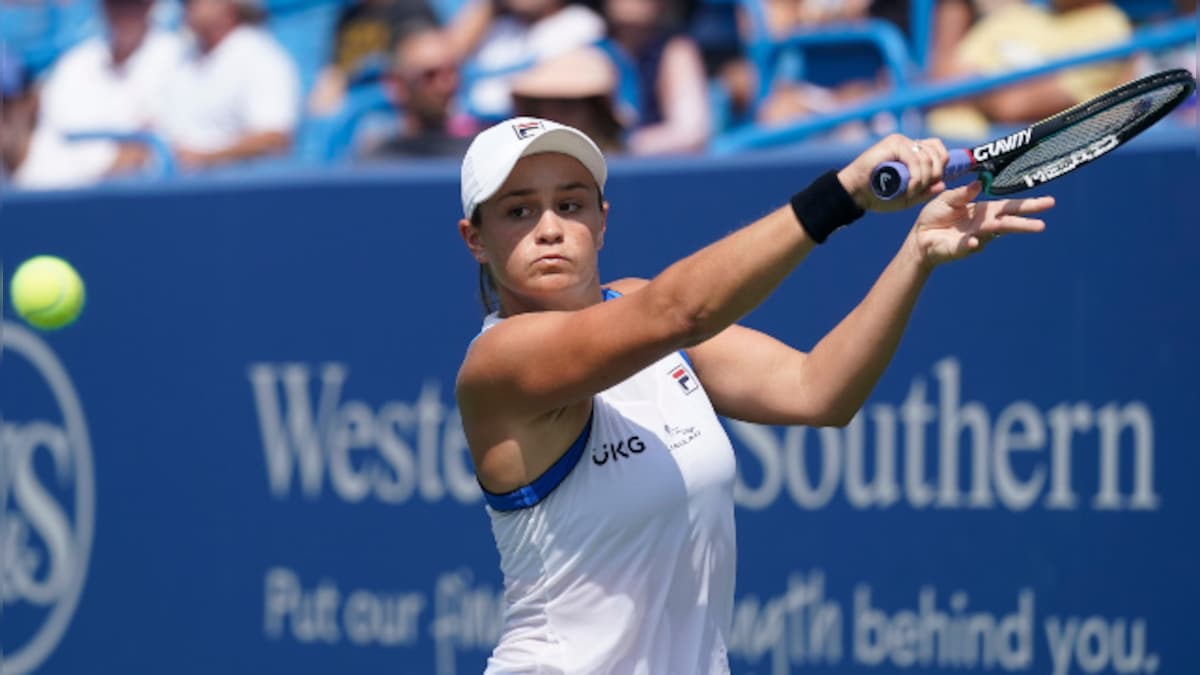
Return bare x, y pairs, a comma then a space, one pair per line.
491, 158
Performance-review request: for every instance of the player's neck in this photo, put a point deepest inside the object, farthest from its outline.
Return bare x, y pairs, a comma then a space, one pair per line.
512, 303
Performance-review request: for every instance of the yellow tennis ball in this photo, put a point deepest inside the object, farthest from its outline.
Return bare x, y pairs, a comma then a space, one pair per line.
47, 292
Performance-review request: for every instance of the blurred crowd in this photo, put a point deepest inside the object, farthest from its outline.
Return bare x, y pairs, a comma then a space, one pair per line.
406, 79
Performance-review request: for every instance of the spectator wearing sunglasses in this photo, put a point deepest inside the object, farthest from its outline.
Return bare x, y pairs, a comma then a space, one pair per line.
366, 33
424, 82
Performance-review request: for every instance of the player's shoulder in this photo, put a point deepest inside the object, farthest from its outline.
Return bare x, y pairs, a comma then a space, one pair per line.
488, 352
491, 352
473, 372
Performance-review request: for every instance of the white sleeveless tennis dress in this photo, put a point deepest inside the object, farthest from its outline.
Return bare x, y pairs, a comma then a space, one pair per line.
620, 558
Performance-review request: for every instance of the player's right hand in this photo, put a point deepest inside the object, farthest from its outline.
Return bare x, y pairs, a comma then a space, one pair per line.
925, 159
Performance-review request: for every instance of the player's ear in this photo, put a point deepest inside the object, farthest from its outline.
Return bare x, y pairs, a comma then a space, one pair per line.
603, 225
474, 240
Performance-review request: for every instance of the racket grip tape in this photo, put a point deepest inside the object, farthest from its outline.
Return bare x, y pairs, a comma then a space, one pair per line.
890, 179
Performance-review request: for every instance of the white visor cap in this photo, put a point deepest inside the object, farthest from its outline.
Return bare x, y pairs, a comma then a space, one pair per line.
495, 152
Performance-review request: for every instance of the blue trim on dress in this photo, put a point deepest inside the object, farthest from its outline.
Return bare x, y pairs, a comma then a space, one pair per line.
539, 489
543, 485
683, 353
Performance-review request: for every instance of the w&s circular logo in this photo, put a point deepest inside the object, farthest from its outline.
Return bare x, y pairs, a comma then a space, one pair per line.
47, 499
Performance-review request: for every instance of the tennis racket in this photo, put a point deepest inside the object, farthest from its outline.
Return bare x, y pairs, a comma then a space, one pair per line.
1059, 144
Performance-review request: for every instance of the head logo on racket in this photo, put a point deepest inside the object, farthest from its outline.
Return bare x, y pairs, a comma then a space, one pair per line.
1049, 172
47, 502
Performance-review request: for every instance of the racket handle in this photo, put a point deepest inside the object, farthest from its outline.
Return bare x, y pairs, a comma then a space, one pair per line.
959, 163
890, 179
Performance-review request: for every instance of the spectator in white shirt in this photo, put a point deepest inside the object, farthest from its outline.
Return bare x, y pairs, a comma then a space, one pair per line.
109, 83
501, 35
236, 95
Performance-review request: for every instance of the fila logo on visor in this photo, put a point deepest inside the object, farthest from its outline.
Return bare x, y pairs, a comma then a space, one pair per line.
684, 379
527, 130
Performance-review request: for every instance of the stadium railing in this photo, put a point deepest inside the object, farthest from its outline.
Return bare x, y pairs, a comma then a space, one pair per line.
163, 160
41, 31
324, 141
885, 39
330, 139
1152, 38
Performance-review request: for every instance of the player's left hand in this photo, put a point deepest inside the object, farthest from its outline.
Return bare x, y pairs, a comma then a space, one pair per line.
953, 226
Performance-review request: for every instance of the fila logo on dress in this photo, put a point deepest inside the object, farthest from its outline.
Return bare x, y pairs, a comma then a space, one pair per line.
685, 379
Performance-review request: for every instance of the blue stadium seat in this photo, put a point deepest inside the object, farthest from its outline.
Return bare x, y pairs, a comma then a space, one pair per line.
162, 160
629, 91
305, 29
445, 10
331, 139
43, 30
825, 55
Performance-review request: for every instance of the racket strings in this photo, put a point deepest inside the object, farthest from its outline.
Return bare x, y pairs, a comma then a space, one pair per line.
1086, 139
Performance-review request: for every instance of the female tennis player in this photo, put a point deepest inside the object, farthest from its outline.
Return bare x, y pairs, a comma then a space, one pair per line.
591, 409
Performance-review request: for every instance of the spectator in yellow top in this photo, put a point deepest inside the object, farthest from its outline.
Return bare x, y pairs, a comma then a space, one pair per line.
1014, 35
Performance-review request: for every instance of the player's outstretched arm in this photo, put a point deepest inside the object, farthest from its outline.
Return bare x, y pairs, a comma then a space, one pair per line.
510, 369
525, 386
753, 377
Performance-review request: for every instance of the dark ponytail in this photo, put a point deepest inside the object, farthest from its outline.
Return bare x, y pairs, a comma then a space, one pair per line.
487, 290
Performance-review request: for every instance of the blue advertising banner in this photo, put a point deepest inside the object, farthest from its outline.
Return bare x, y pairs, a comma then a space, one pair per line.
245, 456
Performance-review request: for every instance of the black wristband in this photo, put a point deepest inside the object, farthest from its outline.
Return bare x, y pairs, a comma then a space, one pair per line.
824, 206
